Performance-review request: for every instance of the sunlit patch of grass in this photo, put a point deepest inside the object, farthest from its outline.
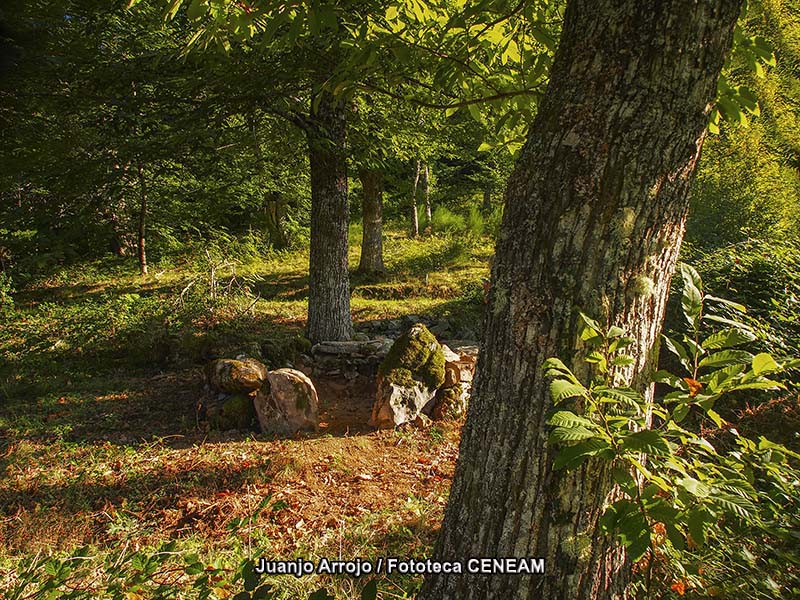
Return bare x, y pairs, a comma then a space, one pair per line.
100, 373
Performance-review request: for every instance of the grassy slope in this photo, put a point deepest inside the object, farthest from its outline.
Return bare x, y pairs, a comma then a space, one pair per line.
99, 380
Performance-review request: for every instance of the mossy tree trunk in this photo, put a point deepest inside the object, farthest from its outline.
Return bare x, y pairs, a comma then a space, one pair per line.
372, 219
329, 285
594, 217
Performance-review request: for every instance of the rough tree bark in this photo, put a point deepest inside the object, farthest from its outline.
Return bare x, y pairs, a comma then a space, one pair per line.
414, 215
141, 252
594, 217
328, 285
372, 218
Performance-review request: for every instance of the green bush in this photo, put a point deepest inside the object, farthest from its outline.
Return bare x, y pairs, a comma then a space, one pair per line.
762, 275
709, 512
475, 224
445, 221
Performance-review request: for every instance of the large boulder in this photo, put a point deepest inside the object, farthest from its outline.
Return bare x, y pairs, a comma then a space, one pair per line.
287, 402
408, 378
236, 376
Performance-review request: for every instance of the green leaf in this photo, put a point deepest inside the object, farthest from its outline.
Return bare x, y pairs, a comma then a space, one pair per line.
697, 520
726, 302
648, 441
561, 389
475, 112
727, 338
680, 412
714, 416
589, 328
764, 363
725, 321
623, 395
734, 504
571, 434
678, 350
694, 487
675, 537
692, 298
572, 456
565, 418
726, 357
668, 378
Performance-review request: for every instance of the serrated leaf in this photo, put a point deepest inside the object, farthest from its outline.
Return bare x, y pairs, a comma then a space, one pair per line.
727, 338
680, 412
561, 389
678, 350
726, 321
647, 441
714, 416
726, 357
571, 434
565, 418
735, 504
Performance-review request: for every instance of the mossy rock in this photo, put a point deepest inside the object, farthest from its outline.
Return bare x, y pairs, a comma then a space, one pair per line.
238, 412
415, 355
236, 376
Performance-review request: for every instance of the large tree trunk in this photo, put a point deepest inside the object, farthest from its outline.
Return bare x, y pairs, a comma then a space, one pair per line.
141, 252
594, 217
372, 219
414, 215
328, 285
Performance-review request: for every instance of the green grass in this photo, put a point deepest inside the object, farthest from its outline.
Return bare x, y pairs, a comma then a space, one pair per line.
100, 375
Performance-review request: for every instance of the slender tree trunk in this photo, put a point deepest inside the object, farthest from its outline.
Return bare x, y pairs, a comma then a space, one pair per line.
426, 191
414, 215
328, 286
594, 217
488, 189
275, 211
141, 252
372, 218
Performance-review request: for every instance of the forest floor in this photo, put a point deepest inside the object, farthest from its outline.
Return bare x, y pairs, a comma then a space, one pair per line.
101, 445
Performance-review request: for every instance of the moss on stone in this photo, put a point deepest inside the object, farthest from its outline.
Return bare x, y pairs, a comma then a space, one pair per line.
238, 412
415, 356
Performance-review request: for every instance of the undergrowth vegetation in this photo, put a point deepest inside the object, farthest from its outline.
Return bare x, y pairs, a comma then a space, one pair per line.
706, 511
